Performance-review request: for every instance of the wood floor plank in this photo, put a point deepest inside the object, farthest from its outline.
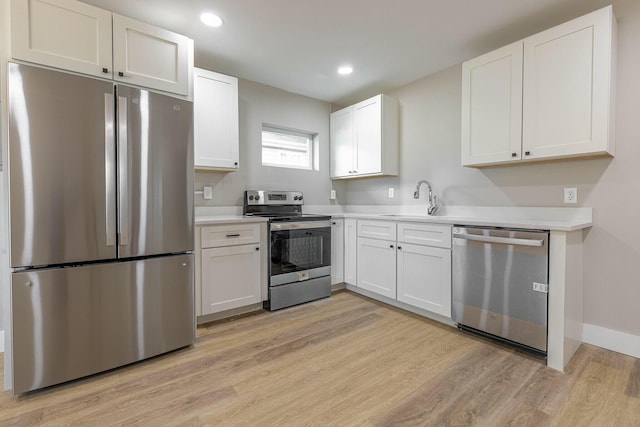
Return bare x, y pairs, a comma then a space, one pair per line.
633, 384
342, 361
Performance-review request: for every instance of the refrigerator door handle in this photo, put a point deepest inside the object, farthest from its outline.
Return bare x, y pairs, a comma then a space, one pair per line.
123, 172
109, 169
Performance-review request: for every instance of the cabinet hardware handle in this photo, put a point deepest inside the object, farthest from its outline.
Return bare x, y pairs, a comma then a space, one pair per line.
391, 246
105, 70
257, 249
333, 223
235, 163
233, 235
527, 153
120, 73
514, 154
399, 248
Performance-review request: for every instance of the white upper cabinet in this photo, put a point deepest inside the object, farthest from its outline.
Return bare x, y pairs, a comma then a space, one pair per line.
342, 152
568, 88
492, 106
364, 139
215, 115
546, 97
63, 34
149, 56
74, 36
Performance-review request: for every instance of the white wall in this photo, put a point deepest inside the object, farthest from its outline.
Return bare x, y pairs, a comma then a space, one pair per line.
260, 104
430, 149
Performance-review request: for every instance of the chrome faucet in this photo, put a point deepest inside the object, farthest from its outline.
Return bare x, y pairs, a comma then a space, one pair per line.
433, 202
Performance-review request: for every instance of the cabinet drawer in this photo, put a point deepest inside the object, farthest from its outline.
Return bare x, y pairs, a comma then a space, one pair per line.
229, 235
425, 234
382, 230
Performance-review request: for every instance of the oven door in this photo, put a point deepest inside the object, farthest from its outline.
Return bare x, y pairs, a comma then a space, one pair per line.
299, 251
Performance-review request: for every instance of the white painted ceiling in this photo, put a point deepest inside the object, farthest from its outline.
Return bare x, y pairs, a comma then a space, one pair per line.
297, 45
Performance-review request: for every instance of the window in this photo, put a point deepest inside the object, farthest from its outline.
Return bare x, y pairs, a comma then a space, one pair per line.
287, 148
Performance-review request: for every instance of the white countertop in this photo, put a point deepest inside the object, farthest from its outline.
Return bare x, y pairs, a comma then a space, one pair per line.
557, 219
537, 224
539, 218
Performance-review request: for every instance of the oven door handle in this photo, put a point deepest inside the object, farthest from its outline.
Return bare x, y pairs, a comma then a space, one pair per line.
299, 225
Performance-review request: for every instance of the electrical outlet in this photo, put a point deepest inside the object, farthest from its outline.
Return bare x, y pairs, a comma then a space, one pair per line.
333, 195
541, 287
207, 193
571, 195
391, 192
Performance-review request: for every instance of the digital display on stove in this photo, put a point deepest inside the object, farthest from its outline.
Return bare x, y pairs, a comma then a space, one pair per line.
277, 197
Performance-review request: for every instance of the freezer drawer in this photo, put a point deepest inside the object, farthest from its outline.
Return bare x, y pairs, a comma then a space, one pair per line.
72, 322
500, 283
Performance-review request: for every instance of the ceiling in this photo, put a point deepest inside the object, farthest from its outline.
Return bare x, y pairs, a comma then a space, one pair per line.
297, 45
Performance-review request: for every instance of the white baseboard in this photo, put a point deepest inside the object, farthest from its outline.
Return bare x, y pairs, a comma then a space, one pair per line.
1, 341
610, 339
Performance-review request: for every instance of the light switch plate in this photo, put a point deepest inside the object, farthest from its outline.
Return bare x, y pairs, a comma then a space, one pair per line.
391, 192
208, 193
333, 195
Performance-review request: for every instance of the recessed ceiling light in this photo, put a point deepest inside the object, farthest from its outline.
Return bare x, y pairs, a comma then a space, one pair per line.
345, 70
211, 19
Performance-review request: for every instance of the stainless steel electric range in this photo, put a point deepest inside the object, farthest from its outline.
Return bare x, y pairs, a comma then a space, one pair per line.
299, 248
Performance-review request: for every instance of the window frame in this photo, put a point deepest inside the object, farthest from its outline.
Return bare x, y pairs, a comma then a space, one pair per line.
311, 146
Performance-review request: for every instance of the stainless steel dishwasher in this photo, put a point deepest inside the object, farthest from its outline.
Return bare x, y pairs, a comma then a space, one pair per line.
500, 283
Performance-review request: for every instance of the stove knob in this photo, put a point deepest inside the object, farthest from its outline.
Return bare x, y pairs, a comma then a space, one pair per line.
295, 197
257, 197
250, 197
300, 198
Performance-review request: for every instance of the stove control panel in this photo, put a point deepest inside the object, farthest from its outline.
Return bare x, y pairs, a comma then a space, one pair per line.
259, 197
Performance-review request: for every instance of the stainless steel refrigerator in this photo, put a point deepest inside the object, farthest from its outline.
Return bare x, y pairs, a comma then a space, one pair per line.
101, 225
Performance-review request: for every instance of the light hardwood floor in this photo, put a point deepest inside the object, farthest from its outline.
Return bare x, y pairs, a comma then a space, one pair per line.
342, 361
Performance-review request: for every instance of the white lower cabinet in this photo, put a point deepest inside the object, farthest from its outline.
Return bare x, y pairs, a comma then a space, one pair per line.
424, 277
406, 261
337, 251
230, 266
377, 266
230, 277
350, 251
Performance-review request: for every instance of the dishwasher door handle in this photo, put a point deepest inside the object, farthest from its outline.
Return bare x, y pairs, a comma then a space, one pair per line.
505, 240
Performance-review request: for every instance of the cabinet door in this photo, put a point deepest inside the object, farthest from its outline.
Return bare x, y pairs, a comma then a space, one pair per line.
368, 136
230, 277
215, 116
337, 251
350, 251
492, 107
424, 278
149, 56
63, 34
377, 266
567, 88
342, 148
